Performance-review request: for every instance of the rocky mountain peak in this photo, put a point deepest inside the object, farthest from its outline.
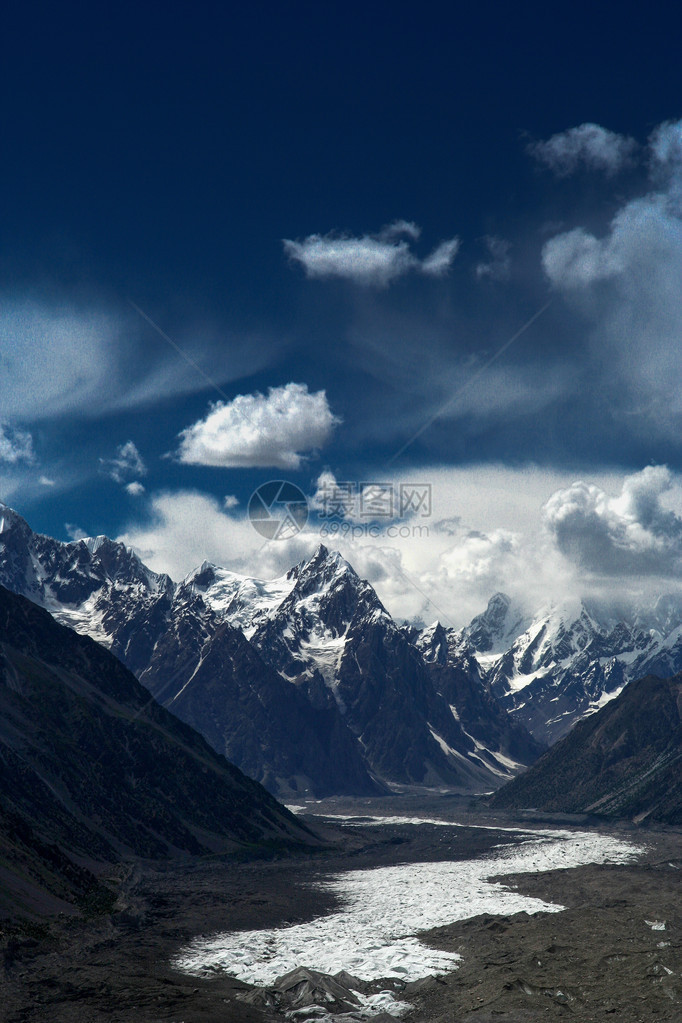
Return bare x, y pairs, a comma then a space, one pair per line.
432, 643
487, 629
201, 578
324, 565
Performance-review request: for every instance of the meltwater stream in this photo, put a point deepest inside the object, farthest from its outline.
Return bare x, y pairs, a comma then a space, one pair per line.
373, 933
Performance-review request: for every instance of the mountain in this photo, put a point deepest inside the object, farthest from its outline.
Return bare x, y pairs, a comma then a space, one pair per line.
93, 770
305, 682
567, 661
501, 742
332, 638
168, 635
214, 679
624, 761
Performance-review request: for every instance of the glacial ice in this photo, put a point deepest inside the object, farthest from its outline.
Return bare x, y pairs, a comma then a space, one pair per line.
374, 932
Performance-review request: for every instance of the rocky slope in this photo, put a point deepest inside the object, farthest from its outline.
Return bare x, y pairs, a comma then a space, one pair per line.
220, 684
625, 761
93, 770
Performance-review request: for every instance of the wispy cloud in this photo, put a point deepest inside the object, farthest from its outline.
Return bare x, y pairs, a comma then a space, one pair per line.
255, 430
55, 358
590, 146
15, 445
371, 259
126, 464
61, 358
628, 285
498, 266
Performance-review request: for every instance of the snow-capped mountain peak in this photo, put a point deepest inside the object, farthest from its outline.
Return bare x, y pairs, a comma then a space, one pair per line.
432, 643
497, 627
242, 601
305, 634
323, 571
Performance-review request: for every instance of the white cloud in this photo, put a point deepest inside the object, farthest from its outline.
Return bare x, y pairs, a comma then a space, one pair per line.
576, 258
127, 462
188, 527
15, 445
484, 534
440, 260
628, 284
632, 533
665, 149
75, 532
498, 266
230, 501
333, 498
135, 489
373, 260
45, 481
589, 145
273, 430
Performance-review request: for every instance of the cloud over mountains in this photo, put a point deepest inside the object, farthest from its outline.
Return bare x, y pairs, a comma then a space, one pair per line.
631, 533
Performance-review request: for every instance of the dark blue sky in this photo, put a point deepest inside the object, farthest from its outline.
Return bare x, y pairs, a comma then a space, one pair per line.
160, 154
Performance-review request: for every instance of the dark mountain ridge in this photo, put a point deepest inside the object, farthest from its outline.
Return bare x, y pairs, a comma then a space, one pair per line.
93, 770
624, 761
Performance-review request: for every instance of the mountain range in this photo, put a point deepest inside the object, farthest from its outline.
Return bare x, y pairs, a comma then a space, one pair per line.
308, 684
305, 682
566, 661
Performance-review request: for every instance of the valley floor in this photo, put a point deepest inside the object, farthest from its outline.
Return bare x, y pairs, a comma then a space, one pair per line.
599, 959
